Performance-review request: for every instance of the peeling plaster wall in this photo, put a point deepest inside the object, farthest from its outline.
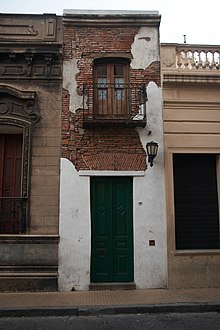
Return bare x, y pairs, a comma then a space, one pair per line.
70, 70
145, 48
150, 262
150, 217
75, 229
150, 267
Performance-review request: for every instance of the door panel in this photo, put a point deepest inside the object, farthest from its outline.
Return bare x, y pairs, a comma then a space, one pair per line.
123, 228
101, 227
112, 229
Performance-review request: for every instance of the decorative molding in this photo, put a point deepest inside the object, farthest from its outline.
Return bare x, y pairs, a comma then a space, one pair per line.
29, 60
175, 78
30, 47
30, 65
50, 29
19, 109
168, 62
49, 60
26, 149
37, 28
18, 105
190, 104
18, 30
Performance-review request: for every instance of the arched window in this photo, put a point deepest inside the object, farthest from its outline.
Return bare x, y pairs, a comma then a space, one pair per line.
18, 115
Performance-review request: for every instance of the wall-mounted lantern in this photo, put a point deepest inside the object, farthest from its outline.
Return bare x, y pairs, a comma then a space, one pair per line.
152, 148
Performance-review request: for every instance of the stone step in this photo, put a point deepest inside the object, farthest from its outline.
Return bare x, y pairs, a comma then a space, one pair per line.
112, 286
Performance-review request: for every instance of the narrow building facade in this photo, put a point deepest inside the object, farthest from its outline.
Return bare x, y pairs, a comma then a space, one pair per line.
191, 111
112, 203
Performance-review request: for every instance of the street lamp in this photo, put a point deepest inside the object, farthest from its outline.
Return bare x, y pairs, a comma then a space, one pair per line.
152, 148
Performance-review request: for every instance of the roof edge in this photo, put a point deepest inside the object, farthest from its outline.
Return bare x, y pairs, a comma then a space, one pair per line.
111, 17
78, 12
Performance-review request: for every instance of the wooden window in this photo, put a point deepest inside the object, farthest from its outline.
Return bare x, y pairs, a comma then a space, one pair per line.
196, 201
111, 96
10, 182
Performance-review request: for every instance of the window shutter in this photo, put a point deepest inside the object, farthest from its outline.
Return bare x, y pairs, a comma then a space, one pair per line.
196, 201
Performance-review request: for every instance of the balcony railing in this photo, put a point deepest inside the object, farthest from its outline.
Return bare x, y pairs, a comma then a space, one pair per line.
114, 103
12, 215
194, 58
198, 58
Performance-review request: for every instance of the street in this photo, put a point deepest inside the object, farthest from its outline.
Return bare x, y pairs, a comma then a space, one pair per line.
172, 321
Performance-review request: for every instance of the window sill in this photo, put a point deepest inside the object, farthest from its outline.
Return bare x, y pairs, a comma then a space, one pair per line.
196, 252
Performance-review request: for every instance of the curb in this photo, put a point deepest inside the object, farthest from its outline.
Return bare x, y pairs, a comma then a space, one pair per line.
110, 310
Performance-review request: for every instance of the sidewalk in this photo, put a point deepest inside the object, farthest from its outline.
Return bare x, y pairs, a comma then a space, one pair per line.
109, 302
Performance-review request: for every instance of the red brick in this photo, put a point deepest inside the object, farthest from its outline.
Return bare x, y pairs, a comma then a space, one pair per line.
101, 148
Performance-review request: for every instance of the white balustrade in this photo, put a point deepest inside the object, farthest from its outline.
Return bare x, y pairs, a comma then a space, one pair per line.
198, 58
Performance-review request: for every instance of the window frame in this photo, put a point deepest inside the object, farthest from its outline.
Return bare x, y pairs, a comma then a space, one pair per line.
22, 118
171, 243
198, 193
110, 100
12, 203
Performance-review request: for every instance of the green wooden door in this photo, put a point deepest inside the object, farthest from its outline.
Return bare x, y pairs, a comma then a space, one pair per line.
112, 229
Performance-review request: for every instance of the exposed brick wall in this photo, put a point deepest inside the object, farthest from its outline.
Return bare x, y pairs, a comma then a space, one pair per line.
112, 148
86, 44
152, 73
90, 41
101, 148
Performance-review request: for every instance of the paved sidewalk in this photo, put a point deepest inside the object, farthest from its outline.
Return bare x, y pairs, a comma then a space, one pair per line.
109, 302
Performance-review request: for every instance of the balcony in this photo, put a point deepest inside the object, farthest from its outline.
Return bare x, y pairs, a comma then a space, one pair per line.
12, 215
119, 104
189, 64
196, 58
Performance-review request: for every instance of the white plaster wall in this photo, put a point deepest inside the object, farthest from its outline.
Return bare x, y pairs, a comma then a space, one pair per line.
145, 48
70, 71
75, 230
150, 266
149, 204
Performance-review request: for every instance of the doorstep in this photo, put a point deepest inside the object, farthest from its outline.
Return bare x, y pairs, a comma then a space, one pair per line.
112, 286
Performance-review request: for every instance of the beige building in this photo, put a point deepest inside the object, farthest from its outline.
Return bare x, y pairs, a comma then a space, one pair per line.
191, 110
30, 111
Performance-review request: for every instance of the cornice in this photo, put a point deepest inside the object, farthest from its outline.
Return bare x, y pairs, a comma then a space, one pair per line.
191, 78
18, 47
190, 104
111, 18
